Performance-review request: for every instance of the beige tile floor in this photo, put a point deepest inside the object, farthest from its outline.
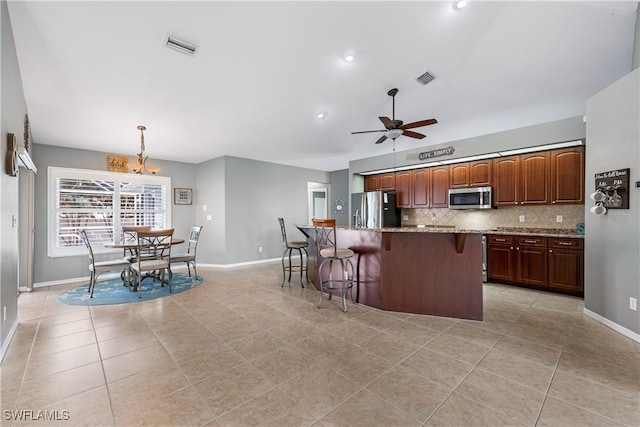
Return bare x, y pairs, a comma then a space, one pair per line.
241, 350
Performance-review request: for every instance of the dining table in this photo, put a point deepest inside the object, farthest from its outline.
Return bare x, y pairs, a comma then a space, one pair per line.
132, 245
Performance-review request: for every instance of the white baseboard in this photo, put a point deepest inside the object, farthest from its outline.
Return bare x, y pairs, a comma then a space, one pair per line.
620, 329
7, 342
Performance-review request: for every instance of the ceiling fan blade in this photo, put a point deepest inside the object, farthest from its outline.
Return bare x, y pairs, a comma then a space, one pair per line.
369, 131
382, 139
419, 124
412, 134
387, 122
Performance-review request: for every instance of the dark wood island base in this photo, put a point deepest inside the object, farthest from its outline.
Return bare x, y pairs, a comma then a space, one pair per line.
414, 271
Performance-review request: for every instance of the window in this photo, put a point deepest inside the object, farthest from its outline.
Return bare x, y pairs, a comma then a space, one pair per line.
102, 202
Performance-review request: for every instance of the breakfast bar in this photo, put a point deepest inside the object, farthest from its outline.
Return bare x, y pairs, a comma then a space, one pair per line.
413, 270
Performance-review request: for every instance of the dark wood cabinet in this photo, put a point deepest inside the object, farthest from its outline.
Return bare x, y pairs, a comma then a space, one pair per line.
459, 175
522, 180
535, 172
480, 173
506, 180
420, 185
567, 176
386, 181
531, 261
500, 261
470, 174
440, 187
566, 265
547, 263
403, 189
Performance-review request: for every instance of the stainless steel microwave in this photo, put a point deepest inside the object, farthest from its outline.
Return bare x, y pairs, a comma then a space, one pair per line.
470, 198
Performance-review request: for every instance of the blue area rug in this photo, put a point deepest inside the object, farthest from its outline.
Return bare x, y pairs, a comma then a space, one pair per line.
112, 291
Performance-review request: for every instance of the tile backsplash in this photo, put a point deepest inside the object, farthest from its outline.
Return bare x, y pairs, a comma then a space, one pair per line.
508, 216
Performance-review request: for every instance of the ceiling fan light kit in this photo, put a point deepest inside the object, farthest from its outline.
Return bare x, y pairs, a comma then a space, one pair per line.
395, 128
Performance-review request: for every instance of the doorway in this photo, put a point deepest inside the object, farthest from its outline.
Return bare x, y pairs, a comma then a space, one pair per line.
318, 200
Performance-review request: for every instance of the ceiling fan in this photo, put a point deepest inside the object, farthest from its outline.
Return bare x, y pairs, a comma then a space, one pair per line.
394, 128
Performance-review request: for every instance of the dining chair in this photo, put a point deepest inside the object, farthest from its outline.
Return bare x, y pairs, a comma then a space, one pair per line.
153, 258
327, 248
98, 267
290, 246
190, 256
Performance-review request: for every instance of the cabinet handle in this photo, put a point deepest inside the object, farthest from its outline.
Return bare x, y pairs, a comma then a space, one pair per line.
550, 250
512, 247
531, 241
517, 249
565, 243
501, 240
553, 201
515, 203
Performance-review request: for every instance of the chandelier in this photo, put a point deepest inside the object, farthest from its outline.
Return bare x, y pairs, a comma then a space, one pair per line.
141, 167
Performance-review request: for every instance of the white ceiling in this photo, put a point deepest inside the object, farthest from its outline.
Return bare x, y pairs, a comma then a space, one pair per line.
93, 71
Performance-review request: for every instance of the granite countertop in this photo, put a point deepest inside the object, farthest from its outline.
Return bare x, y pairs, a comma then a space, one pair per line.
517, 231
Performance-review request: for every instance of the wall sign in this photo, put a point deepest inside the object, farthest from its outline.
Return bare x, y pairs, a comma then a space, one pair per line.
612, 189
436, 153
182, 196
117, 163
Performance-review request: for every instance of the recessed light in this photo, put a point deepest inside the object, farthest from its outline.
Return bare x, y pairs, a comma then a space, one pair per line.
349, 56
321, 115
459, 4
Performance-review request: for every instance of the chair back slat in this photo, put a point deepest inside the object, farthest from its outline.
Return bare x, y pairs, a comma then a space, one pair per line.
325, 235
283, 231
154, 244
193, 239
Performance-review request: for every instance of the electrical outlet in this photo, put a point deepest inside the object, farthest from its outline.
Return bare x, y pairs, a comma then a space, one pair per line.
204, 208
559, 218
259, 248
405, 217
521, 218
633, 304
209, 217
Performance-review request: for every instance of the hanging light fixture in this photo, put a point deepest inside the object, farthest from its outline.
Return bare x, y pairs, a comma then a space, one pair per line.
141, 167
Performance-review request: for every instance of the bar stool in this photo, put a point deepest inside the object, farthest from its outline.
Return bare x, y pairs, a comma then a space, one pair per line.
289, 246
327, 248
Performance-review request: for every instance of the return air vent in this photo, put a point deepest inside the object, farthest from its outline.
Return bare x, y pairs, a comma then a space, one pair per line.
426, 78
181, 46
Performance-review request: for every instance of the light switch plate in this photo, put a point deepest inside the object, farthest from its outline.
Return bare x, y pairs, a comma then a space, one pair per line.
209, 217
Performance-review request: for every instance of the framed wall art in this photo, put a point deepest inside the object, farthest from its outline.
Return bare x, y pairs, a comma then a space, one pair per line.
182, 196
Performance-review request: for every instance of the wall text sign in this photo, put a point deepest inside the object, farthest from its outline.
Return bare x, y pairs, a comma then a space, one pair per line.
436, 153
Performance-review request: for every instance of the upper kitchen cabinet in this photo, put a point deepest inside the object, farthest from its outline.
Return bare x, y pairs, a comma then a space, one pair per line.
386, 182
470, 174
567, 176
420, 188
439, 187
522, 180
404, 192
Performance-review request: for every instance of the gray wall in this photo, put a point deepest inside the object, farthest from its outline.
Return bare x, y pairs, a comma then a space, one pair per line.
612, 241
254, 195
340, 191
13, 109
55, 269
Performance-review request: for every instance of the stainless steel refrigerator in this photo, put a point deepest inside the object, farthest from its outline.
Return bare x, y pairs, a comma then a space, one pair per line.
374, 209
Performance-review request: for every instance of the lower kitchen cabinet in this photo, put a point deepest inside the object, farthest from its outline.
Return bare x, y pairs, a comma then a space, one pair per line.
552, 264
566, 265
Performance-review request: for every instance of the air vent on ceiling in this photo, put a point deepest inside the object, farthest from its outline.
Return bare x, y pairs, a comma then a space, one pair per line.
181, 46
426, 78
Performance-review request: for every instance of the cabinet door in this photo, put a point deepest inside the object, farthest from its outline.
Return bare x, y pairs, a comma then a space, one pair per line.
420, 183
567, 176
506, 180
440, 187
535, 171
480, 173
531, 266
371, 183
500, 264
566, 270
459, 175
388, 182
403, 189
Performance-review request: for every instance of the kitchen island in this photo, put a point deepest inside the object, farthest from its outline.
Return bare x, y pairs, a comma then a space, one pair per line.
414, 270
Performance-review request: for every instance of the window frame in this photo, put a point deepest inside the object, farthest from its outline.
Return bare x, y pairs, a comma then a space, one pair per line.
54, 173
